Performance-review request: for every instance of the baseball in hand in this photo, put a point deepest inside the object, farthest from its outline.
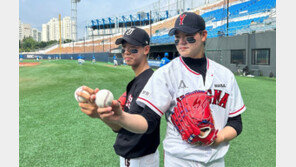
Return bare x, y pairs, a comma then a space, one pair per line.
80, 99
104, 98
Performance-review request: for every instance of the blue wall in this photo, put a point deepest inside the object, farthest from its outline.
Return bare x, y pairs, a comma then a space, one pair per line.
103, 57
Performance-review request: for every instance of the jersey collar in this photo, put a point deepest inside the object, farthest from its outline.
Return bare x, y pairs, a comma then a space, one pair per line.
189, 69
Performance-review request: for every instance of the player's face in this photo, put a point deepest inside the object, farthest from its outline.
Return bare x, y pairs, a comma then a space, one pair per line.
134, 55
190, 45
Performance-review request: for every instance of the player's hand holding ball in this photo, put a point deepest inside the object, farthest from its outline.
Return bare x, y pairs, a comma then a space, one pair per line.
85, 96
104, 98
98, 103
79, 98
108, 108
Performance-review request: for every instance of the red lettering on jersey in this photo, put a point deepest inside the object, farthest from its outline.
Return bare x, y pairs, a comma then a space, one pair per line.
210, 94
182, 18
224, 100
216, 98
129, 100
180, 98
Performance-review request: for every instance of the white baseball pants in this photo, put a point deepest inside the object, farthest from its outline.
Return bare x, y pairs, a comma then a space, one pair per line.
171, 161
151, 160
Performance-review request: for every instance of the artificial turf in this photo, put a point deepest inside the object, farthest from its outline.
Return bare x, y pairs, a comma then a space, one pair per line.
54, 132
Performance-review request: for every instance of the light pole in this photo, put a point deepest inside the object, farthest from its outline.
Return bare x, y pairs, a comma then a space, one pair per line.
85, 37
92, 34
74, 20
227, 25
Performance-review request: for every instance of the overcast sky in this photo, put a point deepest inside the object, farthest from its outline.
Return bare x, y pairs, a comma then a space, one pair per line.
38, 12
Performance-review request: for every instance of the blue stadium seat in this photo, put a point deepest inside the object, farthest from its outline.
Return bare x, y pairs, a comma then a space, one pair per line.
235, 11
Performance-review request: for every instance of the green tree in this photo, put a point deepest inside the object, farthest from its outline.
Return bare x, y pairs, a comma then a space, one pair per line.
29, 44
67, 40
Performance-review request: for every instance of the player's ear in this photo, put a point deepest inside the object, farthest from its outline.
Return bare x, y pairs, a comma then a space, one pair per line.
204, 35
146, 49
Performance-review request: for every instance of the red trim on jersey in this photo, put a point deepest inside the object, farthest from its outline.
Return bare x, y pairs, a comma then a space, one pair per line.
188, 67
151, 105
237, 110
208, 64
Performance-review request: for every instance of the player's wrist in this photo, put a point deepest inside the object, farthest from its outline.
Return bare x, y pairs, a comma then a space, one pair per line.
122, 118
220, 139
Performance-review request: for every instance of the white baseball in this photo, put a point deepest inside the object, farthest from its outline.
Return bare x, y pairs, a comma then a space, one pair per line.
80, 99
104, 98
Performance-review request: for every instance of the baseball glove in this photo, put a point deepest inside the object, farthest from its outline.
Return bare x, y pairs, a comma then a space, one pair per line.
122, 100
193, 119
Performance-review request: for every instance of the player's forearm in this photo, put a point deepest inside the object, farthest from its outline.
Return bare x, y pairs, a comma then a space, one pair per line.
229, 133
226, 134
133, 122
114, 127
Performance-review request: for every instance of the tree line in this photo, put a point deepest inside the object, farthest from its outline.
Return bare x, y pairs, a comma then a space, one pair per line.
28, 44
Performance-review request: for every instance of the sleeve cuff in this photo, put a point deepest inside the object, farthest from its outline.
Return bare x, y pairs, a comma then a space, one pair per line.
238, 112
150, 105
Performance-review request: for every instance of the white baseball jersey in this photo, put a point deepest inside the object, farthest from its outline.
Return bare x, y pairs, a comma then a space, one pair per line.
175, 80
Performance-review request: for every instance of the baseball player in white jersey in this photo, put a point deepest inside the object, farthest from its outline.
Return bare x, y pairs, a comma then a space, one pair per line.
189, 73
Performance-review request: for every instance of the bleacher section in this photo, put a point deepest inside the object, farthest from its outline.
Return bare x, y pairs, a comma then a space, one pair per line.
240, 10
245, 17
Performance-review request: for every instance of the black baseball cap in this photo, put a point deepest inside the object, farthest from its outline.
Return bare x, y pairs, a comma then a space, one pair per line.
189, 23
134, 36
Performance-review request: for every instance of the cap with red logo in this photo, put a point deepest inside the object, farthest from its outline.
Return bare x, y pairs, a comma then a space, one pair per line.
188, 22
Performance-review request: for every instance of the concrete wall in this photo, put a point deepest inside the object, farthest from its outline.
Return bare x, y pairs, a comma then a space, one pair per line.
219, 49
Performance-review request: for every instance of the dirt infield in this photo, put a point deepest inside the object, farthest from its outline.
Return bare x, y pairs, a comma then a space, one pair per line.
22, 64
108, 65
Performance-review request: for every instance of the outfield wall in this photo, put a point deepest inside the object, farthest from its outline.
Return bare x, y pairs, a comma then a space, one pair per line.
103, 57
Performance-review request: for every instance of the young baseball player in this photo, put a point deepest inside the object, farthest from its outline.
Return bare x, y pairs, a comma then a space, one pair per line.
115, 63
21, 57
134, 149
164, 60
183, 77
93, 60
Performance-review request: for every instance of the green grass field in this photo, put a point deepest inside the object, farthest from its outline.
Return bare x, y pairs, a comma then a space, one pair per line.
54, 132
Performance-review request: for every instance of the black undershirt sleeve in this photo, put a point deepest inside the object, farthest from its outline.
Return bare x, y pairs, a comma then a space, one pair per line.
152, 119
236, 123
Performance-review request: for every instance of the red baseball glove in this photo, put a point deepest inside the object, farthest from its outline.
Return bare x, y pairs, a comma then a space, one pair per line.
193, 119
122, 100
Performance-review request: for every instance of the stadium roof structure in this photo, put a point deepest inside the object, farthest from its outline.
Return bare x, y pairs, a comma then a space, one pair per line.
138, 19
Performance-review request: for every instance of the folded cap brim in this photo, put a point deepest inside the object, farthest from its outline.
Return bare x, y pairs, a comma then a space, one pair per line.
128, 40
185, 29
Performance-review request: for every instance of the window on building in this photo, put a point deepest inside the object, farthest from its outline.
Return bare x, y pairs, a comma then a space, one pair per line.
261, 56
238, 56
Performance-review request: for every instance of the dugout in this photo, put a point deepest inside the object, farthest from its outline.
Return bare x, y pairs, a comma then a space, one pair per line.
159, 50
